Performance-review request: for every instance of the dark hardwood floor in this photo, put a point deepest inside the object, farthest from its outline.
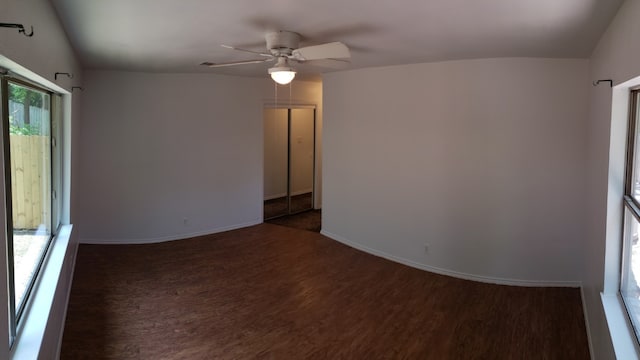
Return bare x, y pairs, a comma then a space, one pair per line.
272, 292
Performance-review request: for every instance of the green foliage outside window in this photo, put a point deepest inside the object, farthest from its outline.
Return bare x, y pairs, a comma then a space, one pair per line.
26, 129
29, 99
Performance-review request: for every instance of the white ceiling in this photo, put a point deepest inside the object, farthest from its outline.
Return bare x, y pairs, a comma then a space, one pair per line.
177, 35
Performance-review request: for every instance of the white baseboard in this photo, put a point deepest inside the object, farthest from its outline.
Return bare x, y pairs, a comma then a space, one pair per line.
169, 238
456, 274
585, 314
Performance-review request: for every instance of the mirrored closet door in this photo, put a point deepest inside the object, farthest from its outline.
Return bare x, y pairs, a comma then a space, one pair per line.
289, 158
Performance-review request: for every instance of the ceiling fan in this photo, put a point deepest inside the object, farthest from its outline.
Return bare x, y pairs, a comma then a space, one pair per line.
283, 46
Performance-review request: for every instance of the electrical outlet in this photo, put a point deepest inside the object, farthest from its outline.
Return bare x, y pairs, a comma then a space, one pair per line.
185, 221
426, 248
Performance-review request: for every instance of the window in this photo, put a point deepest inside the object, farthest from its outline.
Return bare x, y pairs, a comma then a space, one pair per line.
630, 277
29, 158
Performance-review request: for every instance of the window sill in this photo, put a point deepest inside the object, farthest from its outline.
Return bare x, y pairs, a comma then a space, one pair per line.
622, 336
29, 340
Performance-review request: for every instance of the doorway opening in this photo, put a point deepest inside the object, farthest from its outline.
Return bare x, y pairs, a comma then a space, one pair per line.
289, 167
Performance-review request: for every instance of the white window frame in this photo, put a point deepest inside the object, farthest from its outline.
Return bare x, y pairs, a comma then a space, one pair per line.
37, 322
17, 310
622, 334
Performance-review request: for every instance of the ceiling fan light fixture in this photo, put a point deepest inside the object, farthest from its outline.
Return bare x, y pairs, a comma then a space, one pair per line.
282, 75
283, 46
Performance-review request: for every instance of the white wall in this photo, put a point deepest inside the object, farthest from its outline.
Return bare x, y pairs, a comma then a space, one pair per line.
483, 160
48, 51
39, 58
161, 148
616, 57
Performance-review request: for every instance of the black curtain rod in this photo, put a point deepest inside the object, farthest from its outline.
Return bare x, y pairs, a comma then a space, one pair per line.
597, 82
55, 76
20, 28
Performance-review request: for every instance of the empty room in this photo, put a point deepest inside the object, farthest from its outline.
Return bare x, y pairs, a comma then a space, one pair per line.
428, 179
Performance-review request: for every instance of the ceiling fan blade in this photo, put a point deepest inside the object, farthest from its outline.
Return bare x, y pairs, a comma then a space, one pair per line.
245, 50
333, 50
232, 63
337, 64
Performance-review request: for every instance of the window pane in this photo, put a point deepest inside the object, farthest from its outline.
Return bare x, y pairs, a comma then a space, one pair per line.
30, 154
631, 270
635, 181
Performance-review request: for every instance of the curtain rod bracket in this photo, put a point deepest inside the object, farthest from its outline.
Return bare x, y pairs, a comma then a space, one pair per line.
597, 82
55, 76
20, 28
77, 87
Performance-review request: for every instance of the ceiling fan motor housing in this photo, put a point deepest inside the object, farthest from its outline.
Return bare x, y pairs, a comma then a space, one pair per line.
282, 42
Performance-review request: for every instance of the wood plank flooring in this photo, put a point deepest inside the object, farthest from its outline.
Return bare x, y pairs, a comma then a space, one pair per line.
272, 292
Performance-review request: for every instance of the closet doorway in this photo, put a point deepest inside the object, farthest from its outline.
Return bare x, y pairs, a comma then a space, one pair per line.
289, 160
